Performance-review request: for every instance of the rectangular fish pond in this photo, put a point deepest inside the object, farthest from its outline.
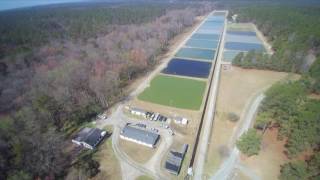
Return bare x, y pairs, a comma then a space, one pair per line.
201, 43
194, 53
189, 68
213, 37
176, 92
239, 46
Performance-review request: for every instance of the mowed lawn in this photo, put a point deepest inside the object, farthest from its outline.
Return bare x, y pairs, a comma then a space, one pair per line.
176, 92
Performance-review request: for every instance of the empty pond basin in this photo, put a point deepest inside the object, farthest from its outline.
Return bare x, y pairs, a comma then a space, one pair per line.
220, 13
216, 18
190, 68
244, 33
243, 46
212, 26
213, 23
214, 37
241, 38
202, 43
209, 31
230, 55
194, 53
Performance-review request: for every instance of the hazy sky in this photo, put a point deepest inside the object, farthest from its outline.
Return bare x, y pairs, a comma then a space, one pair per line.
12, 4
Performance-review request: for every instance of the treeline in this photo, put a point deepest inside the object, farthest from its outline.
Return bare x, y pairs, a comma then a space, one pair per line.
293, 32
49, 92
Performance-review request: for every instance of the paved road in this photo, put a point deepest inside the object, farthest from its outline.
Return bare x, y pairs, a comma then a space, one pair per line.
209, 115
227, 168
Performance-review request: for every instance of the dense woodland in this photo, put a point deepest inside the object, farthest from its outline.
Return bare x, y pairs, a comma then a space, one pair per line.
60, 66
291, 106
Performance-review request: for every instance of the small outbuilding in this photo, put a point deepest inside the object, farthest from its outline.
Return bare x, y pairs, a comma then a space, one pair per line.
180, 120
89, 137
138, 112
139, 136
174, 161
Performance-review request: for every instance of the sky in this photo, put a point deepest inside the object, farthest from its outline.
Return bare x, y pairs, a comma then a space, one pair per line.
12, 4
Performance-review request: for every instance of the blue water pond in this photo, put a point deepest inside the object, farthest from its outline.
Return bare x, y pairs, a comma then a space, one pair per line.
189, 68
194, 53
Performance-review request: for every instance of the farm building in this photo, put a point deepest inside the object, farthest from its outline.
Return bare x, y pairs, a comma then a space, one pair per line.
89, 137
180, 120
139, 136
174, 161
138, 112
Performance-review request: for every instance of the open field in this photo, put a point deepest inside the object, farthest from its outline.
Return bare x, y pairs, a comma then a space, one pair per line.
237, 87
137, 152
175, 92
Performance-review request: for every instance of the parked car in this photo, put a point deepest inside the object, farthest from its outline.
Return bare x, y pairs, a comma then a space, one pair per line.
163, 118
141, 125
149, 114
102, 116
155, 117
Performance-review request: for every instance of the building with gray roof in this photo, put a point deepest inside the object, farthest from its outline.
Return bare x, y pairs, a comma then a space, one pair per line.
89, 137
139, 136
174, 161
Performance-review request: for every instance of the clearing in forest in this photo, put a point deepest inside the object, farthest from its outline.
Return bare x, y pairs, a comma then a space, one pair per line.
238, 87
175, 92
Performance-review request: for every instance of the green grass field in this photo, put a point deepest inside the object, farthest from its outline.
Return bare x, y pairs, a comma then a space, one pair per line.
176, 92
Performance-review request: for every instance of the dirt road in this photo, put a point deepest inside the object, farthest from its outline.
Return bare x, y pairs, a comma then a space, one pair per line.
210, 111
227, 168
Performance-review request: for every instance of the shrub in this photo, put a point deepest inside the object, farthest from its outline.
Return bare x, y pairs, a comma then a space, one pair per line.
249, 143
233, 117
